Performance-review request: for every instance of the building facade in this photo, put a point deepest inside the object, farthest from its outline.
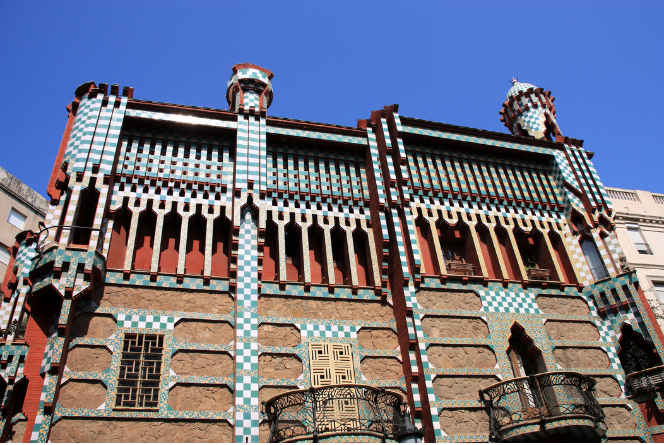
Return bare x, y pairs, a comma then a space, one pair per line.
225, 275
21, 208
639, 219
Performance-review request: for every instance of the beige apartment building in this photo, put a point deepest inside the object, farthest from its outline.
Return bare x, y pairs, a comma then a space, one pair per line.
639, 222
21, 208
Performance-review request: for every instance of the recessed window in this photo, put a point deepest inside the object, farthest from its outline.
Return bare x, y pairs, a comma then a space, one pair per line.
16, 219
139, 376
639, 242
659, 291
4, 254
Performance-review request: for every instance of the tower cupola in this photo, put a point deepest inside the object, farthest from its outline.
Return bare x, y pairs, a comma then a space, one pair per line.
529, 111
249, 88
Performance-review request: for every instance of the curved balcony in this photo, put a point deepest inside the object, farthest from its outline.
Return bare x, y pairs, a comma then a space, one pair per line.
549, 407
647, 381
339, 410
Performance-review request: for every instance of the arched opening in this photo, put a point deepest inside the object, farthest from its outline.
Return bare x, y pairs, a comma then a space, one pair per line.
85, 216
340, 255
526, 360
117, 249
635, 352
458, 248
362, 258
488, 252
509, 256
535, 255
427, 247
317, 263
170, 243
147, 224
221, 233
563, 259
195, 256
293, 251
270, 252
594, 260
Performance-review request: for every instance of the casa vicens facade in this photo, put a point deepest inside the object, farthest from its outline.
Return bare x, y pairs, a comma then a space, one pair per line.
213, 275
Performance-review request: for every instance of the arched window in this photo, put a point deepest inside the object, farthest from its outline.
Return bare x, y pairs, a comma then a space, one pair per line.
317, 261
636, 353
195, 258
119, 236
293, 251
170, 243
220, 247
362, 258
340, 255
85, 216
147, 223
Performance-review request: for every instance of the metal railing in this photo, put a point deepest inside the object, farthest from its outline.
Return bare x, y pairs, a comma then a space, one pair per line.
308, 414
659, 199
643, 248
538, 397
647, 381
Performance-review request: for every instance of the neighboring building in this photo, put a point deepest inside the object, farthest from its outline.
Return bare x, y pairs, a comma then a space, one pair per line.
639, 219
234, 276
21, 208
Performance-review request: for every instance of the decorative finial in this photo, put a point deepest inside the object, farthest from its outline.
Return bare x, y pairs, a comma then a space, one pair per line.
514, 80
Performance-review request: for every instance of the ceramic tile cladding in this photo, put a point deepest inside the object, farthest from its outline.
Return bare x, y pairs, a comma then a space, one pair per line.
423, 258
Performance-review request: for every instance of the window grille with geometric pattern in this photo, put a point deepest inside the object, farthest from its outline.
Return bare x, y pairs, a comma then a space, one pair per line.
331, 364
140, 372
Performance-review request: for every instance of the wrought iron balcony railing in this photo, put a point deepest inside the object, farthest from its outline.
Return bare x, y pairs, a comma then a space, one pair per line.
599, 272
647, 381
538, 274
540, 398
310, 414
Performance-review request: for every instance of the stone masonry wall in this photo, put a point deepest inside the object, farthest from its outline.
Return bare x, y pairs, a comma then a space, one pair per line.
218, 333
278, 335
464, 421
91, 325
461, 387
132, 431
206, 364
571, 330
187, 397
562, 305
454, 327
89, 359
82, 394
444, 299
381, 368
369, 338
581, 358
133, 297
290, 307
461, 356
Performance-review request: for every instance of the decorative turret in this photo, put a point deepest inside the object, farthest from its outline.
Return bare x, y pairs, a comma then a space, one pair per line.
249, 88
529, 111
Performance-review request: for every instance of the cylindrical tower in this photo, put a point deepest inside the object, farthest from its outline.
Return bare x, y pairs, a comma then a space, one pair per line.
249, 88
529, 111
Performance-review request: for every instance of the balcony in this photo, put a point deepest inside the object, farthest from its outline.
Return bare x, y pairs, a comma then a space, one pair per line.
643, 248
548, 407
538, 274
339, 410
460, 268
647, 381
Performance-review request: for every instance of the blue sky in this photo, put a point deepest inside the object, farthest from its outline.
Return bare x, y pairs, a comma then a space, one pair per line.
336, 61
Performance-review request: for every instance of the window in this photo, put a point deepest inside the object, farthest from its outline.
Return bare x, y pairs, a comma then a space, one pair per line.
140, 372
659, 291
594, 260
4, 254
331, 364
641, 245
16, 219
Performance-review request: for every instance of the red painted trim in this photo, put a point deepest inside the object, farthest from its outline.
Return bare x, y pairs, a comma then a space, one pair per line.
651, 316
53, 192
35, 338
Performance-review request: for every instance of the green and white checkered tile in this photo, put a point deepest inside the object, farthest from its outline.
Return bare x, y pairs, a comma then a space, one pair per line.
247, 386
509, 302
328, 331
146, 321
246, 427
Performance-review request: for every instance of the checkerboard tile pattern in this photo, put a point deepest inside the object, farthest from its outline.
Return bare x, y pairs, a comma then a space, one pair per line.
246, 346
509, 302
328, 331
147, 321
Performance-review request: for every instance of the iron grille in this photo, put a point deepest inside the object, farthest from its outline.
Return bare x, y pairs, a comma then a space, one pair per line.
337, 409
540, 396
139, 376
643, 248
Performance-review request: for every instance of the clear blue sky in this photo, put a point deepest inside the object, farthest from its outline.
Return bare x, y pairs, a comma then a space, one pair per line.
336, 61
